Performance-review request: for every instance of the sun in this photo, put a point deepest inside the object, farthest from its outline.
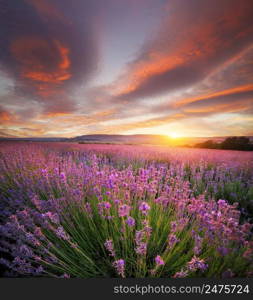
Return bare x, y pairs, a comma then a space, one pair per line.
174, 135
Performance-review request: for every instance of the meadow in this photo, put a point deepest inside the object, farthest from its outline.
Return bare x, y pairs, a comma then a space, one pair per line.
70, 210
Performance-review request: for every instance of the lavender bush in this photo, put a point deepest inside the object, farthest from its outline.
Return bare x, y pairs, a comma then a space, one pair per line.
72, 210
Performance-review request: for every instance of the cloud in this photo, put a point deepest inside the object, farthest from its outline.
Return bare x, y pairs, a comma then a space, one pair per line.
196, 66
5, 116
228, 94
195, 39
48, 48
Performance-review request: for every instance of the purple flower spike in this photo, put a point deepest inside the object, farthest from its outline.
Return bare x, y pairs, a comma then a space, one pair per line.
119, 265
109, 247
227, 274
60, 232
159, 261
197, 264
144, 208
130, 221
124, 210
65, 276
141, 249
107, 205
172, 240
181, 274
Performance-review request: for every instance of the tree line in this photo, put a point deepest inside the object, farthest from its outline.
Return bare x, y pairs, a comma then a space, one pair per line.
231, 143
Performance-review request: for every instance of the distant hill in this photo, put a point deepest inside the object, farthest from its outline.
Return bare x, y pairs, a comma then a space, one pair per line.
123, 139
120, 138
35, 139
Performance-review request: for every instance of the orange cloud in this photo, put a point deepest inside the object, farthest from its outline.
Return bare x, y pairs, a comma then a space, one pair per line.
55, 114
5, 116
144, 124
237, 106
231, 91
28, 52
189, 46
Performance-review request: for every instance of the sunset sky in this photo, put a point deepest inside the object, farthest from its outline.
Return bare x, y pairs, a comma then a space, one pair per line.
174, 67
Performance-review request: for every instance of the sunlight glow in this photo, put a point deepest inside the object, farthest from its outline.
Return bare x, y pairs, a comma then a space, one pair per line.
174, 135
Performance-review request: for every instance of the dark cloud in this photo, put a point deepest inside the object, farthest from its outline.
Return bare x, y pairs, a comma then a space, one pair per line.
196, 38
48, 47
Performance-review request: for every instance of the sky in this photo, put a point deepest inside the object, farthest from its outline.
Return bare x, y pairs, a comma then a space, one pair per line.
170, 67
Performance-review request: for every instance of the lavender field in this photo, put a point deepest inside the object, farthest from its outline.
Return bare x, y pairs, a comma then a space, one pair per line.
69, 210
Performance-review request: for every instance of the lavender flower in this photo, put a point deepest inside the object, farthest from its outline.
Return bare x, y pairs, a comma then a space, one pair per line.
144, 208
197, 264
198, 244
181, 274
148, 230
174, 226
88, 208
104, 207
119, 265
141, 248
139, 235
223, 250
227, 274
63, 176
130, 221
109, 247
60, 232
159, 261
107, 205
172, 240
39, 270
124, 210
53, 217
65, 275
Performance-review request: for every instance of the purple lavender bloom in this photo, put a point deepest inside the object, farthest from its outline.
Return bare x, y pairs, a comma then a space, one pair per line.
222, 203
172, 240
65, 275
159, 261
139, 235
109, 247
104, 207
197, 264
141, 248
130, 221
223, 250
173, 226
198, 244
144, 208
53, 217
119, 265
124, 210
61, 233
88, 208
148, 230
38, 233
32, 239
25, 251
227, 274
181, 274
62, 176
39, 270
107, 205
